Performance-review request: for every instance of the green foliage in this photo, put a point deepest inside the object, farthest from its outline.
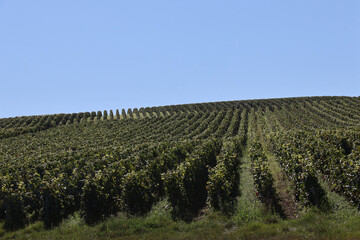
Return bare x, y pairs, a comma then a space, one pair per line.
105, 115
15, 216
299, 166
54, 165
335, 154
123, 114
96, 202
92, 115
223, 184
186, 185
137, 195
129, 113
263, 179
98, 115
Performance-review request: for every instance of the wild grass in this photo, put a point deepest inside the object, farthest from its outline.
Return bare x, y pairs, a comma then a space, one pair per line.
312, 224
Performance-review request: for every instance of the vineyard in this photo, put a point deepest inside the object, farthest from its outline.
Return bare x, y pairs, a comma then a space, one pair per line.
194, 157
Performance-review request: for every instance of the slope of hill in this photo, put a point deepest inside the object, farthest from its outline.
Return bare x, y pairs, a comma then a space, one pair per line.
196, 157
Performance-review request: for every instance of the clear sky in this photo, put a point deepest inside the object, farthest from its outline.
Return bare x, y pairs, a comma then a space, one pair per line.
65, 56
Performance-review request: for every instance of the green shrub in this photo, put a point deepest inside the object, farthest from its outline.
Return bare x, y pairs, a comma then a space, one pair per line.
224, 179
186, 185
137, 195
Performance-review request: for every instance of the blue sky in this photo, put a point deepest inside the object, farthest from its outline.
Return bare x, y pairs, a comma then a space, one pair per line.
65, 56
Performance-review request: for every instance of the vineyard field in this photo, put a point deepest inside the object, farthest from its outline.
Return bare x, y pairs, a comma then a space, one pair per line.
267, 168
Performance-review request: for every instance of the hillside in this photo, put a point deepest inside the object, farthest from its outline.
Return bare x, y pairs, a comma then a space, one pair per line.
282, 157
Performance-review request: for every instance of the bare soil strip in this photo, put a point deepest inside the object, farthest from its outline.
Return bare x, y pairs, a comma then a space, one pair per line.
283, 188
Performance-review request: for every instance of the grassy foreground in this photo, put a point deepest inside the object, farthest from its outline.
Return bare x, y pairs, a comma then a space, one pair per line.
312, 224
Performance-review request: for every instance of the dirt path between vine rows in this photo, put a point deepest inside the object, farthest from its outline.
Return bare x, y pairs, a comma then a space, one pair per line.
283, 188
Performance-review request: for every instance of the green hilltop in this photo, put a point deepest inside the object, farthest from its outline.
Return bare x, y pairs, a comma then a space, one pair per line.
266, 168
